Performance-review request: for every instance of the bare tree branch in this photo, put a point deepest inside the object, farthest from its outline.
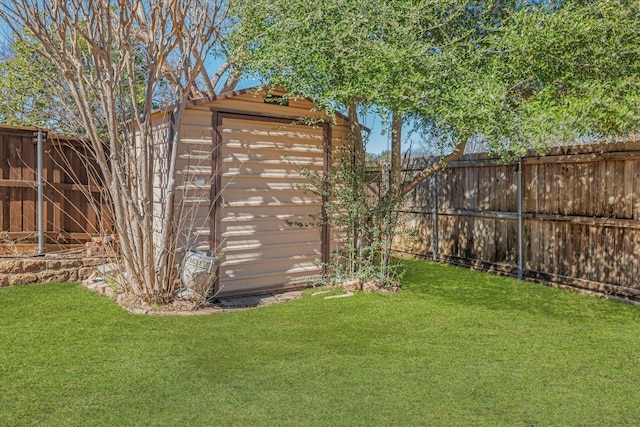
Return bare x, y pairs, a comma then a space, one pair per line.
435, 167
114, 56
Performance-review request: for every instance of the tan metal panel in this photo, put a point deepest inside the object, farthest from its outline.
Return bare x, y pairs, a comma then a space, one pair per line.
193, 180
262, 189
263, 201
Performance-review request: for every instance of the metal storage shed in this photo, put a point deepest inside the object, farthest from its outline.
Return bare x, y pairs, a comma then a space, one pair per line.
240, 187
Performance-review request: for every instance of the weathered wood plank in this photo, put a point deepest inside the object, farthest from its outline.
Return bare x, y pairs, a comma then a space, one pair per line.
600, 196
569, 208
581, 250
551, 193
570, 258
17, 183
626, 208
607, 273
635, 270
594, 252
482, 188
562, 187
29, 195
57, 216
580, 183
506, 183
15, 173
636, 188
595, 221
532, 230
612, 188
537, 183
5, 193
587, 220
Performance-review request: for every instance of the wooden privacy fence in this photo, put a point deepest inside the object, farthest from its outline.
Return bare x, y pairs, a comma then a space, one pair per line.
579, 219
74, 205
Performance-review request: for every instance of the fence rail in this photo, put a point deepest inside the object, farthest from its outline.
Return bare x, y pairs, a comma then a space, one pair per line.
580, 217
74, 207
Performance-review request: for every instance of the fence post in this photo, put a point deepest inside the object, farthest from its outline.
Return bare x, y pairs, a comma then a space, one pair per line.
519, 198
40, 154
434, 216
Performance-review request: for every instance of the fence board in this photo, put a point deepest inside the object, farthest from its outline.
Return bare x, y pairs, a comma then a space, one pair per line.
4, 174
636, 191
69, 212
29, 162
15, 173
581, 216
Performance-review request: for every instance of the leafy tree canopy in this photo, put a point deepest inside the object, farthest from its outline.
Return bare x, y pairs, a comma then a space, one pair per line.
28, 84
33, 93
516, 74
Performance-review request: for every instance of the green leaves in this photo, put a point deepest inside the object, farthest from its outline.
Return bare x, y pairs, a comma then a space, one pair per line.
575, 66
337, 51
518, 75
27, 86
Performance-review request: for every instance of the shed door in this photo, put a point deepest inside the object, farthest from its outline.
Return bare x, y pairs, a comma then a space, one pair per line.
268, 226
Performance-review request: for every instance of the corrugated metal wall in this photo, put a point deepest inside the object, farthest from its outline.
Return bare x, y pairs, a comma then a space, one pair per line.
262, 201
270, 231
194, 173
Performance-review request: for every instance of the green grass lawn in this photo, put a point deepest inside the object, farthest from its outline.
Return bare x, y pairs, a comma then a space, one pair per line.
454, 347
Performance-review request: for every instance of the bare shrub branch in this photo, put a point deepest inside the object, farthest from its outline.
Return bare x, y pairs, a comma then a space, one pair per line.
115, 57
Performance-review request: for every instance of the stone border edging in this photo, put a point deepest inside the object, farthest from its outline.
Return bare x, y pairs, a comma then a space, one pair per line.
22, 271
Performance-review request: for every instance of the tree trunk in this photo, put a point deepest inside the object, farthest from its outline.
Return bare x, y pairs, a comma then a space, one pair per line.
388, 224
396, 155
358, 231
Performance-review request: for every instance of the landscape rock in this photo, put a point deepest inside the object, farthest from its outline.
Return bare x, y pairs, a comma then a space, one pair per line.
93, 262
22, 279
33, 266
53, 276
10, 266
352, 285
55, 264
72, 263
187, 294
85, 272
370, 287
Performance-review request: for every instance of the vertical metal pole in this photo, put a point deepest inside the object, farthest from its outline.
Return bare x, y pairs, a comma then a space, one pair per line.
434, 216
520, 220
386, 176
40, 154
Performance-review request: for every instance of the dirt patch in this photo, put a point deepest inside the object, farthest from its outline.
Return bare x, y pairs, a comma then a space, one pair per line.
180, 307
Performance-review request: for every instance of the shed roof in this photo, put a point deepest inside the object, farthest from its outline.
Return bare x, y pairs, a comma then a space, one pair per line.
254, 91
